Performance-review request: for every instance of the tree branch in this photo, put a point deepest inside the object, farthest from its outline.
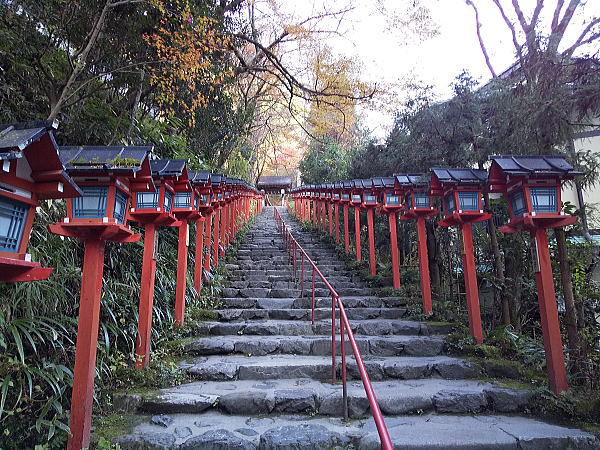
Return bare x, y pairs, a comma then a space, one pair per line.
480, 38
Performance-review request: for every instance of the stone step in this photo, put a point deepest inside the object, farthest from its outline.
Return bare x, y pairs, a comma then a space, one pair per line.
369, 327
229, 315
308, 396
290, 293
216, 430
305, 303
270, 367
315, 345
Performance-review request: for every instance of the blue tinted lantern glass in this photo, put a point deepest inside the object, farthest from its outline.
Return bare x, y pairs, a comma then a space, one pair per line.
345, 196
469, 201
120, 206
168, 200
370, 198
449, 202
422, 200
146, 200
392, 200
517, 203
408, 201
12, 223
196, 201
543, 199
92, 204
182, 200
204, 199
356, 198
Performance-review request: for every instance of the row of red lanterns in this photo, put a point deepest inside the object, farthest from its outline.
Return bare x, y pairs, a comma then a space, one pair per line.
531, 187
107, 187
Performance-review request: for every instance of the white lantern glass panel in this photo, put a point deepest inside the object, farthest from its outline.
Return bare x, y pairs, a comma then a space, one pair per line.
469, 200
543, 199
146, 200
120, 206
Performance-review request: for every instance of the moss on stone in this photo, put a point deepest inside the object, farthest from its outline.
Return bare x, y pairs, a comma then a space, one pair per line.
112, 426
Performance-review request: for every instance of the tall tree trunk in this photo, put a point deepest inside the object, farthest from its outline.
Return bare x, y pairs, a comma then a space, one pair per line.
81, 62
567, 289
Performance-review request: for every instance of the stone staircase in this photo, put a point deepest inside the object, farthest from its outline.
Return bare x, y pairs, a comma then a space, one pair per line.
263, 372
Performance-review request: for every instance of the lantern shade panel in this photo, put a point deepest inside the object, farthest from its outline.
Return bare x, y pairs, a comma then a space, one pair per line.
13, 215
92, 204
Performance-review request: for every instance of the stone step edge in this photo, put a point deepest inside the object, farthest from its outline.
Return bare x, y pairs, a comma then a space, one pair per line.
304, 401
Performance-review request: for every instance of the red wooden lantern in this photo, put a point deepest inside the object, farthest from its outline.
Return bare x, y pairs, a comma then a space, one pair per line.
198, 190
337, 200
418, 206
152, 209
532, 189
329, 205
391, 204
31, 171
369, 203
107, 176
356, 200
205, 206
218, 199
461, 192
345, 193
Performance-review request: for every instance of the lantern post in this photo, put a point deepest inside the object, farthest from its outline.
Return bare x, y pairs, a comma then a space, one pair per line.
418, 206
329, 203
185, 210
315, 205
107, 177
218, 184
151, 209
531, 186
337, 199
370, 203
356, 201
391, 205
201, 182
31, 171
346, 191
461, 191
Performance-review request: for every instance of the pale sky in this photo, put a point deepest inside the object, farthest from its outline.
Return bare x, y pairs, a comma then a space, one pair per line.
387, 53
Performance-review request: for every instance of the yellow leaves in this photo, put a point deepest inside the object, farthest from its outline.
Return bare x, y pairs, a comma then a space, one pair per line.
189, 49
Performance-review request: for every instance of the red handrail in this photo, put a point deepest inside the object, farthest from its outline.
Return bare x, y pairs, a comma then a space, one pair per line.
291, 247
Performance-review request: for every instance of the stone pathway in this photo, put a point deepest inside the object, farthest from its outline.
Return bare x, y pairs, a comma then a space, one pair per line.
263, 372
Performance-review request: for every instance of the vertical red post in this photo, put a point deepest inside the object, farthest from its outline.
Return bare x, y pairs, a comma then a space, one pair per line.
217, 219
330, 208
207, 237
555, 360
424, 266
142, 348
223, 225
337, 223
346, 233
180, 287
371, 231
314, 213
198, 254
393, 219
471, 288
86, 345
357, 233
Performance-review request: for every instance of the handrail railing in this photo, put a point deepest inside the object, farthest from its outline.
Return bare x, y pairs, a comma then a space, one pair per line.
292, 247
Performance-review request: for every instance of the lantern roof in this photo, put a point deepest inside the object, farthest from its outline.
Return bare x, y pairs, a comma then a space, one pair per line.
103, 159
35, 142
534, 165
388, 182
411, 179
199, 177
460, 176
15, 137
168, 167
378, 183
347, 184
337, 185
217, 179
